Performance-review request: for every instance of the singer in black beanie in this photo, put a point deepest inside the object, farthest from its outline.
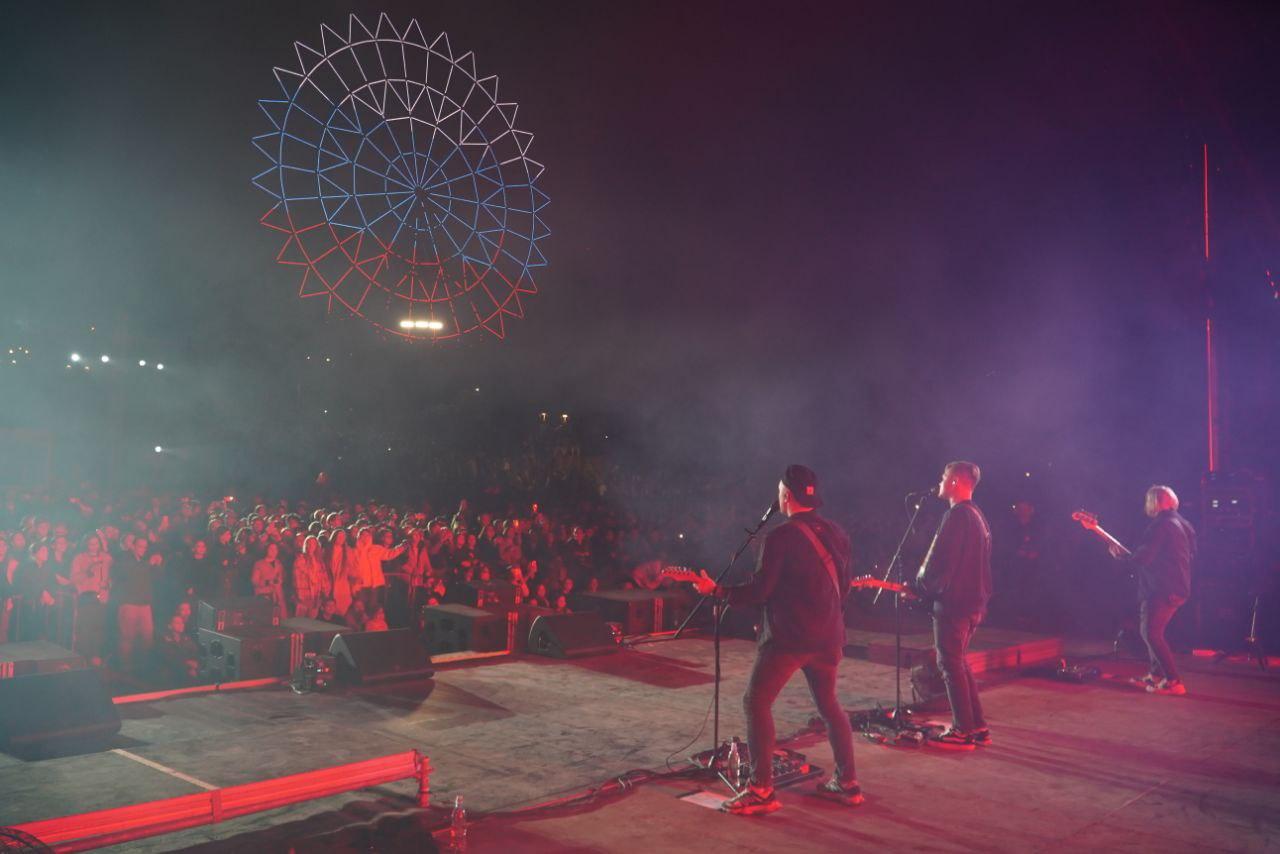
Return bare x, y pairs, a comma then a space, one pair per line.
801, 580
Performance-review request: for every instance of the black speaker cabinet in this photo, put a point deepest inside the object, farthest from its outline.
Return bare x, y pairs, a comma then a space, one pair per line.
525, 616
640, 612
51, 714
571, 635
245, 652
455, 628
675, 605
375, 656
497, 595
221, 614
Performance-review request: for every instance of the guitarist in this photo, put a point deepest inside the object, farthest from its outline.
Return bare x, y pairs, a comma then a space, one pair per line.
956, 576
802, 575
1163, 564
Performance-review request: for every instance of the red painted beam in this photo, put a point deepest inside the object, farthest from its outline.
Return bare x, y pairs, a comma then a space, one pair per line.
86, 831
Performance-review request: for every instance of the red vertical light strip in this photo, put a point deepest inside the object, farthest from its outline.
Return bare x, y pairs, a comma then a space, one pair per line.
1212, 364
1211, 360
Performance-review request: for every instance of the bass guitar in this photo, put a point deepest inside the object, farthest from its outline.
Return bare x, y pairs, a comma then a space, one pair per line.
1090, 523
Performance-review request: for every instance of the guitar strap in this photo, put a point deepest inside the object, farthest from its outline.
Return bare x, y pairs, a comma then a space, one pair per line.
827, 560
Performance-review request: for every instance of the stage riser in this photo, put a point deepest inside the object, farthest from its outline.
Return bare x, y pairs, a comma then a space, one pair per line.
1011, 653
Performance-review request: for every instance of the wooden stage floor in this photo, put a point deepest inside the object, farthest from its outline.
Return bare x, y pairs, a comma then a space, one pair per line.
1096, 766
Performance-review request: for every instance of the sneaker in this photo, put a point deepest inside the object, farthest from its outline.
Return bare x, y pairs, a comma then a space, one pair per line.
1168, 686
981, 736
1145, 681
751, 802
850, 795
954, 739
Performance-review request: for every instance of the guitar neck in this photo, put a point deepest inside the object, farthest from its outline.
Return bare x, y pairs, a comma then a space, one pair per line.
866, 581
1102, 532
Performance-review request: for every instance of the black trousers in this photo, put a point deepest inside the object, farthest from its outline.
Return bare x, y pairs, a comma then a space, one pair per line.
772, 670
1154, 615
951, 636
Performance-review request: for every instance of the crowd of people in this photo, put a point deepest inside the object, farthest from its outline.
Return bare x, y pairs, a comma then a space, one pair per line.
118, 580
117, 576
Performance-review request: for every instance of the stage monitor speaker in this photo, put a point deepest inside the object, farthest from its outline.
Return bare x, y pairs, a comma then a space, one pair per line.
374, 656
55, 714
218, 615
26, 658
245, 652
571, 635
525, 616
457, 628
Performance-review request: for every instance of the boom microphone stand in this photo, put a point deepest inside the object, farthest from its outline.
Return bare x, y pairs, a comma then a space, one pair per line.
898, 719
718, 610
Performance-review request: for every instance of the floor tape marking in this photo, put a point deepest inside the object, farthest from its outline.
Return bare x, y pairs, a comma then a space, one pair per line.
165, 769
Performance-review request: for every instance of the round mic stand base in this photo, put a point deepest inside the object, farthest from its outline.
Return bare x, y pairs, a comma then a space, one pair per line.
892, 726
895, 725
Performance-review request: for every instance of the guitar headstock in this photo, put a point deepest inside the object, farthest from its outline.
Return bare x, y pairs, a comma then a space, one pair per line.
1087, 519
680, 573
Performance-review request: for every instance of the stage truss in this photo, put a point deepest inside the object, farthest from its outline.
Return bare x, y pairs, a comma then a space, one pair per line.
401, 183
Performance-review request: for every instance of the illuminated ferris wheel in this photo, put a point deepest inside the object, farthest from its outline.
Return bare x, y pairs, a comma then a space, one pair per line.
403, 187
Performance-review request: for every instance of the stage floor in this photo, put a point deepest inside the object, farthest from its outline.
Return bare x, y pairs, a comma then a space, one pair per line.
1098, 766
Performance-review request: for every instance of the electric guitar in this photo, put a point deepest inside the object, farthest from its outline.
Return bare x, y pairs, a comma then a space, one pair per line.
864, 581
1090, 523
683, 573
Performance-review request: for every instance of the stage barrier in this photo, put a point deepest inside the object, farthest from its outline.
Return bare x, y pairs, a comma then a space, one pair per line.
87, 831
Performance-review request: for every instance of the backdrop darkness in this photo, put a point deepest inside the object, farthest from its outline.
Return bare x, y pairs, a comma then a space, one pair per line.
867, 238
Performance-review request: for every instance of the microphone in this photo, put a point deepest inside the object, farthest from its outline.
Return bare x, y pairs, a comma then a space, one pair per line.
768, 514
924, 492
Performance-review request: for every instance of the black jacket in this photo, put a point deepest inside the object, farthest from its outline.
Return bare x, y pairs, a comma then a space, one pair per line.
1163, 558
803, 610
956, 573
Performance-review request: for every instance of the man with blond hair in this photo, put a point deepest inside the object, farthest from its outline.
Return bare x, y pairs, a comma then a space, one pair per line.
1162, 563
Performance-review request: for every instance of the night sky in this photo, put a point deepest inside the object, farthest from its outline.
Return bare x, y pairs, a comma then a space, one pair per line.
867, 237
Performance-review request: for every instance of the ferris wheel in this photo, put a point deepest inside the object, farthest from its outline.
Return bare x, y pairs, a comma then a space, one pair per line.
401, 183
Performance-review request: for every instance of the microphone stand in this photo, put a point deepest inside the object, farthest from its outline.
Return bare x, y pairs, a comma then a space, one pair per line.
896, 719
718, 610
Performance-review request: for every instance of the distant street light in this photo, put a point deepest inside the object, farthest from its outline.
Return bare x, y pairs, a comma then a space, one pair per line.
142, 363
75, 357
105, 358
159, 449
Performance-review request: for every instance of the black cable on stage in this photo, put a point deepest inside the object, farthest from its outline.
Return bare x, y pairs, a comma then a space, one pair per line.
705, 717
